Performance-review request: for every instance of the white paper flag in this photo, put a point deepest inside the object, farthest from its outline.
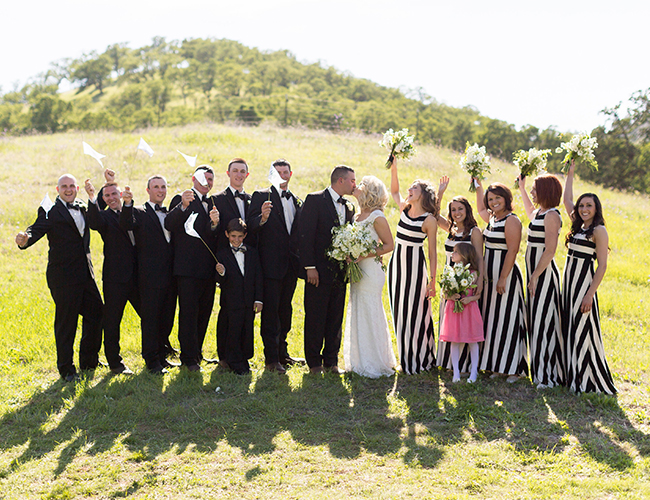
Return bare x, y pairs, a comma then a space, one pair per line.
145, 147
191, 160
199, 175
91, 152
47, 204
274, 178
189, 225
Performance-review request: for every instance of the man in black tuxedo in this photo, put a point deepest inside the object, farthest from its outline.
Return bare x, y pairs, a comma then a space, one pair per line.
70, 277
274, 217
231, 203
155, 280
325, 287
119, 271
194, 263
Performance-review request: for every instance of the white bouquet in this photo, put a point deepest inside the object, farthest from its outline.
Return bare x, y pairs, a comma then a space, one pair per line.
351, 241
457, 280
581, 146
475, 162
530, 162
399, 144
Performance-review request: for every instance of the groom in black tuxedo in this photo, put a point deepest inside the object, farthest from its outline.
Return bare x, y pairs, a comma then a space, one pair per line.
274, 217
70, 277
325, 286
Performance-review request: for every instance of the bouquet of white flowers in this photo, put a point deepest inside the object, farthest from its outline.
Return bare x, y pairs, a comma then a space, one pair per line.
353, 241
457, 280
581, 146
475, 162
530, 162
399, 143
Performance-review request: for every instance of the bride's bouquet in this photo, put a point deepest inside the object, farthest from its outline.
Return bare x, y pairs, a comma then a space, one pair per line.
351, 241
475, 162
457, 280
399, 144
530, 162
580, 147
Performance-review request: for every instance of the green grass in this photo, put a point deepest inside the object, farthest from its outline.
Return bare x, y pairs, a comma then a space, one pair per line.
299, 436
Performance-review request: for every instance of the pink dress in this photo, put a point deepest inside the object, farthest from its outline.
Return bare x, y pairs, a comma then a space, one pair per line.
462, 327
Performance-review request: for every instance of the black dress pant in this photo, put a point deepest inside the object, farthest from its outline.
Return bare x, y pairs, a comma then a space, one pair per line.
324, 307
116, 295
158, 307
70, 302
276, 316
195, 301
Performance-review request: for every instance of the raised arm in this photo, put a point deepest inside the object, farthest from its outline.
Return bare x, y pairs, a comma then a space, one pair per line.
430, 227
394, 186
528, 205
480, 206
568, 190
513, 241
601, 239
442, 187
552, 224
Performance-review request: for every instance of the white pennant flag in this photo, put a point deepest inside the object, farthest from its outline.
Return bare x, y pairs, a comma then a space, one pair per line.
189, 225
199, 175
274, 178
91, 152
47, 204
145, 147
191, 160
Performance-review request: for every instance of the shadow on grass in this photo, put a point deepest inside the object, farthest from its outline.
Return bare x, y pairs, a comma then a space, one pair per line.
414, 417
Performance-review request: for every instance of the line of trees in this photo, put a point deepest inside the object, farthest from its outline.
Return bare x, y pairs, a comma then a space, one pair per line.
174, 83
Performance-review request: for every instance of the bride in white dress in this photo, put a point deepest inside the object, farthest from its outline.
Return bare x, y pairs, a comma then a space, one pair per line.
367, 346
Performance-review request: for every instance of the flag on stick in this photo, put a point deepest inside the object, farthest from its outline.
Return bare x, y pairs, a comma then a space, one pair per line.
88, 150
189, 229
47, 204
274, 178
145, 147
199, 175
191, 160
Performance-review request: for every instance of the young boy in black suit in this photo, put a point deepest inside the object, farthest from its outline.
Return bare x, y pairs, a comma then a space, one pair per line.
240, 276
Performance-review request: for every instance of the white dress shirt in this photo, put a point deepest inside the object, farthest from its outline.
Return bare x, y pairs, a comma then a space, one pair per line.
161, 217
340, 208
239, 202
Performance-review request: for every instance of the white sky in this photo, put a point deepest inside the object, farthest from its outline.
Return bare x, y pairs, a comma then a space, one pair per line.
547, 63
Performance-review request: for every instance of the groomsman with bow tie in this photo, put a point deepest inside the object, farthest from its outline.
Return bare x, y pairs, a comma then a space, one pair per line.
120, 268
70, 277
232, 203
194, 264
274, 217
153, 243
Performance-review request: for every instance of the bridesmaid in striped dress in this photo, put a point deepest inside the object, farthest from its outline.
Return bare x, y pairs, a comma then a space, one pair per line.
586, 366
409, 284
461, 226
504, 319
543, 275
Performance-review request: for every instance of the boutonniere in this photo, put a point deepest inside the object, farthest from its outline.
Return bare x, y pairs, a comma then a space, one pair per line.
349, 206
298, 201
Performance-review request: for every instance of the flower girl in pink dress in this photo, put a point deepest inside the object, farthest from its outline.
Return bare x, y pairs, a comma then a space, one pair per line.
464, 327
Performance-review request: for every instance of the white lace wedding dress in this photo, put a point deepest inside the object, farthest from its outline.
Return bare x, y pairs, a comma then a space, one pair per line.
367, 347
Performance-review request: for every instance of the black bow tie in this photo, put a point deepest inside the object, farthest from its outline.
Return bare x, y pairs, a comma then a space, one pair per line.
241, 249
342, 200
205, 198
239, 194
158, 208
286, 194
72, 206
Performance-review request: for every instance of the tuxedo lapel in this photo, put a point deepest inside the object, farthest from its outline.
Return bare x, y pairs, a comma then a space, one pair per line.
65, 213
233, 262
276, 199
232, 202
327, 197
151, 213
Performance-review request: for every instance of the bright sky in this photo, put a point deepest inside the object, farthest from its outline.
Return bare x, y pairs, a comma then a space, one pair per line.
551, 63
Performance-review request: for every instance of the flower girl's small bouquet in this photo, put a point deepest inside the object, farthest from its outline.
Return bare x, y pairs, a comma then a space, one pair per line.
351, 241
457, 280
399, 144
530, 162
580, 147
475, 162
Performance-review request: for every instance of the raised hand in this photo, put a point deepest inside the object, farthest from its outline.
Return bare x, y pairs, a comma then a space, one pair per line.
127, 195
443, 184
109, 175
266, 211
90, 189
214, 216
187, 197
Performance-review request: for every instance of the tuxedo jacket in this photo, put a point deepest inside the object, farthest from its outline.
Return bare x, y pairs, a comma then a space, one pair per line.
119, 253
155, 254
240, 292
191, 256
277, 248
227, 206
68, 262
317, 219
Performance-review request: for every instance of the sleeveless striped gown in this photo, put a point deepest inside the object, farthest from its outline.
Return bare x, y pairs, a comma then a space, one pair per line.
586, 366
504, 320
443, 355
543, 311
407, 284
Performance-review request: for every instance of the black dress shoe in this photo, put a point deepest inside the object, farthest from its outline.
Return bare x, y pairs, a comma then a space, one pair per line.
316, 369
122, 370
210, 361
157, 370
334, 369
169, 364
170, 352
223, 365
275, 367
71, 377
289, 361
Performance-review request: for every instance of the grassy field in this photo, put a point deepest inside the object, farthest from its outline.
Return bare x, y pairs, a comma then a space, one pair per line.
217, 435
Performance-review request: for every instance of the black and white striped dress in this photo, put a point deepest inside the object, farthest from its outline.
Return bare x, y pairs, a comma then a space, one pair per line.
504, 318
543, 310
407, 290
586, 366
443, 355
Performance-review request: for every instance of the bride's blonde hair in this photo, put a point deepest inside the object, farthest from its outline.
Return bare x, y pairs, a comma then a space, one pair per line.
373, 194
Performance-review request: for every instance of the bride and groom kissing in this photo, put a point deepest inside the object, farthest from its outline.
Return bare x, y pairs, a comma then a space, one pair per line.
367, 348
